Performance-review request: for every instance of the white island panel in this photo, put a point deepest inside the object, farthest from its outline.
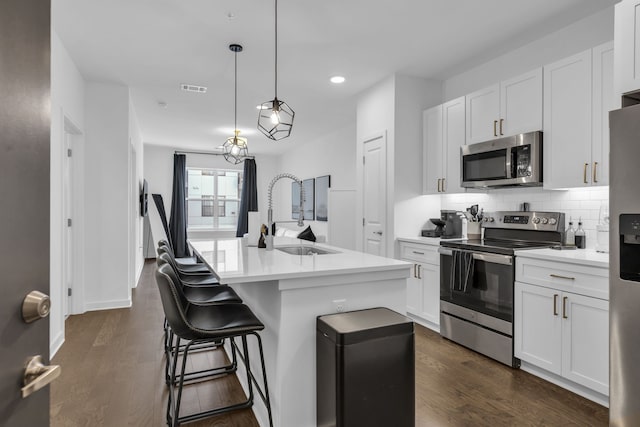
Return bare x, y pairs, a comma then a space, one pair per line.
288, 292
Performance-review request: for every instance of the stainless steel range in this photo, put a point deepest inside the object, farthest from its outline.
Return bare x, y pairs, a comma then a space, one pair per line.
477, 280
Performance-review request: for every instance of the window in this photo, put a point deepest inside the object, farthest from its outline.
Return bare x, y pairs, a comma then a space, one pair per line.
213, 199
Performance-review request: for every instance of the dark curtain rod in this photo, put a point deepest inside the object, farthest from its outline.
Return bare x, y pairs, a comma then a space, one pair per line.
205, 152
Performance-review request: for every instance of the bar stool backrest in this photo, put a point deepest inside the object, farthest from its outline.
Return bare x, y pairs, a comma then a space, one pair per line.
174, 303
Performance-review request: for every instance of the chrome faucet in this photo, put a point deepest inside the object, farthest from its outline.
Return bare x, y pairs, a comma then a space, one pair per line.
270, 220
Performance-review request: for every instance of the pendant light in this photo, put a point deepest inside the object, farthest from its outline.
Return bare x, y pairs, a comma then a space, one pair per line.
275, 118
235, 147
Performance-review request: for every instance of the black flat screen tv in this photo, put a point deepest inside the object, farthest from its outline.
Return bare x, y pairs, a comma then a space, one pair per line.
144, 196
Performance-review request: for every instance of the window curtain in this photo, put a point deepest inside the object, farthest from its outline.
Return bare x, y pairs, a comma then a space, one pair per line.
178, 219
249, 196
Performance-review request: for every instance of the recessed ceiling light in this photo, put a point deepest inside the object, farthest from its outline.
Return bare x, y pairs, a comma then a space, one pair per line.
337, 79
162, 104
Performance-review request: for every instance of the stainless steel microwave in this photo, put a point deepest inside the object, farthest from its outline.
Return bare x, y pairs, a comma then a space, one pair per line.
511, 161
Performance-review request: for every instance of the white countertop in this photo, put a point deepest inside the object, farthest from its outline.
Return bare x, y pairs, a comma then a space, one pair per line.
587, 257
234, 263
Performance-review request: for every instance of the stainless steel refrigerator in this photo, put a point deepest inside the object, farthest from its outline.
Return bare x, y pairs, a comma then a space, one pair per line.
624, 268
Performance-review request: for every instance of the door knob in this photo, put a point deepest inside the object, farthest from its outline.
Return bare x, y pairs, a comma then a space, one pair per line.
36, 305
38, 375
379, 233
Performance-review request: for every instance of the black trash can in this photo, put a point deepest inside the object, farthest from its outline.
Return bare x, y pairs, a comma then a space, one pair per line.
365, 369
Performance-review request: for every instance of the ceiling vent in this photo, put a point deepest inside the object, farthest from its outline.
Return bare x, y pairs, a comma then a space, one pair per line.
193, 88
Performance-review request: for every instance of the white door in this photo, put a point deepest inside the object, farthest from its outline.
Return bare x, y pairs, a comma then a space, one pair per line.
414, 292
604, 101
432, 150
567, 122
483, 111
627, 41
429, 275
521, 104
585, 341
537, 330
375, 195
453, 137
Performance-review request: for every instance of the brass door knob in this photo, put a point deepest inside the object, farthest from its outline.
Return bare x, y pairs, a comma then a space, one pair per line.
35, 306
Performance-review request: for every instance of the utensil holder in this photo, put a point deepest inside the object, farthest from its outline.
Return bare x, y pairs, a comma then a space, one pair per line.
473, 230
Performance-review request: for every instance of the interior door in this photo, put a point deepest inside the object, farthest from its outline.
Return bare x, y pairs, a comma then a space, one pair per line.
24, 191
375, 195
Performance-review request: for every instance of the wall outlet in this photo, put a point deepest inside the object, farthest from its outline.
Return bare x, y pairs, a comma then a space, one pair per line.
340, 305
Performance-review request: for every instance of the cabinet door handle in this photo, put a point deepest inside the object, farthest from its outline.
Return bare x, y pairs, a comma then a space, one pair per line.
419, 271
584, 174
564, 307
439, 185
555, 304
501, 122
495, 132
418, 253
595, 171
415, 274
444, 185
557, 276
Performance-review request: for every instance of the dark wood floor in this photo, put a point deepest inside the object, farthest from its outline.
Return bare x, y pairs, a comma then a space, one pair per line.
112, 375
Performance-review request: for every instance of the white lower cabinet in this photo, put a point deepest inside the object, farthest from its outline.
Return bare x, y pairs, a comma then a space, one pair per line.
423, 286
562, 332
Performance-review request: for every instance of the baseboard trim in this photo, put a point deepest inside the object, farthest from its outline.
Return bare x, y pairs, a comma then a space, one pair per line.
55, 345
107, 305
422, 322
578, 389
138, 275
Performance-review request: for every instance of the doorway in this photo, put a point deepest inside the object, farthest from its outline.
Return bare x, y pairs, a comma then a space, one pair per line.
375, 195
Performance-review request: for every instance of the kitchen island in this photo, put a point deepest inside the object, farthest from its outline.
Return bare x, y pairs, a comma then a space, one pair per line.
287, 292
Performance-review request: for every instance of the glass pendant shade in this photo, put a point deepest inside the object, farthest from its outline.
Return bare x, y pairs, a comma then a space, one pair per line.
235, 148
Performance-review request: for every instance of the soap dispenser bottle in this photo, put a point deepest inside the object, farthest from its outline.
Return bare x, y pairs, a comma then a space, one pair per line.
570, 235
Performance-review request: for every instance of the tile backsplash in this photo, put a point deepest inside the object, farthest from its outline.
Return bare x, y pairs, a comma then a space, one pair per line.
575, 203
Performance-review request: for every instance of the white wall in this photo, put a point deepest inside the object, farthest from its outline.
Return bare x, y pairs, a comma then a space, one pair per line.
67, 102
375, 114
331, 154
413, 95
135, 136
107, 196
158, 171
395, 105
584, 34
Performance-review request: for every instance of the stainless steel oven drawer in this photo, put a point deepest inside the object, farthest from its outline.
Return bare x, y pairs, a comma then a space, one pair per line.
477, 338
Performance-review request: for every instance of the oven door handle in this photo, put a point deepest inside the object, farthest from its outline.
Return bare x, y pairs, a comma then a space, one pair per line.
493, 258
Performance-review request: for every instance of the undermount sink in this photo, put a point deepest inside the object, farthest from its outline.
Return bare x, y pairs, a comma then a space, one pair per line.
304, 250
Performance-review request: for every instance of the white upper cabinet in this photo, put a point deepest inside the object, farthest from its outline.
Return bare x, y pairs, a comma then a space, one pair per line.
444, 134
578, 95
432, 150
604, 100
483, 111
627, 42
511, 107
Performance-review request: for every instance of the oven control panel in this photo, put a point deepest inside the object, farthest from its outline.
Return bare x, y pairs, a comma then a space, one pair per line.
533, 220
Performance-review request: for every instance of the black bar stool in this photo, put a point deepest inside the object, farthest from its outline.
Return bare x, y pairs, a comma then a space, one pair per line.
181, 261
199, 324
188, 269
198, 295
205, 279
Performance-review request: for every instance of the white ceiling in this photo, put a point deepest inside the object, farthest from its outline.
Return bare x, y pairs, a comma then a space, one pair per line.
154, 45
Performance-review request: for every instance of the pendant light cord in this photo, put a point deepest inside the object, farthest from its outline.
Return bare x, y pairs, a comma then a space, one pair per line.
276, 50
235, 97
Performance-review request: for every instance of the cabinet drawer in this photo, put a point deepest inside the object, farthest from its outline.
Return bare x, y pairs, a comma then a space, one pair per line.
419, 253
576, 278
